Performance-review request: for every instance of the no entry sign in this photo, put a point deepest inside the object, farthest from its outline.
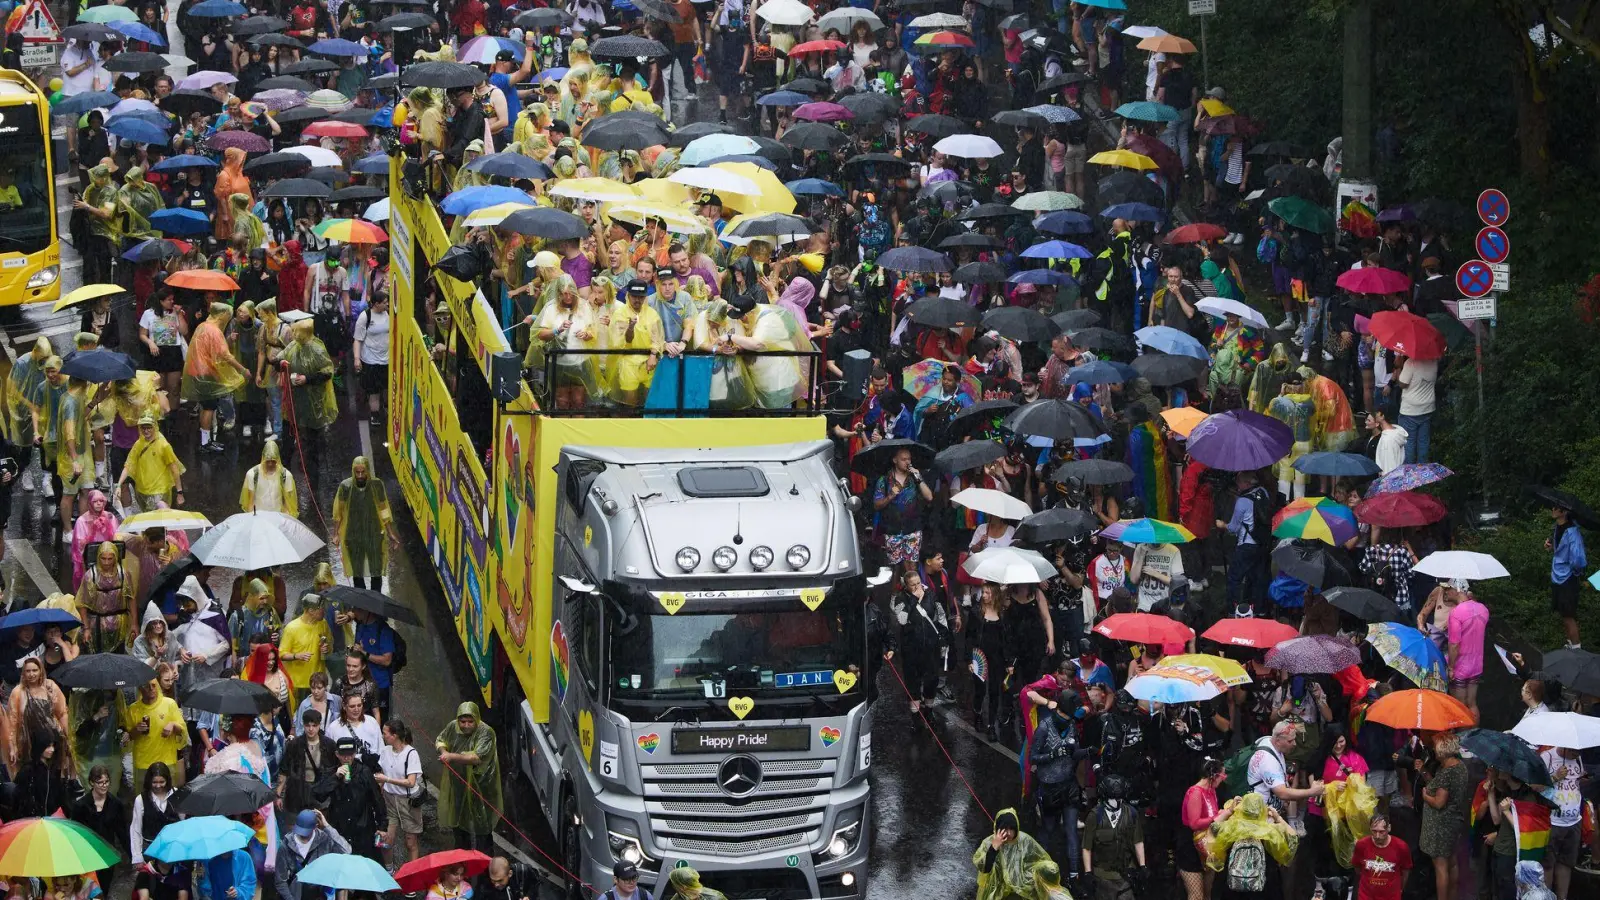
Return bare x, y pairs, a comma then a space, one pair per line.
1474, 279
1493, 245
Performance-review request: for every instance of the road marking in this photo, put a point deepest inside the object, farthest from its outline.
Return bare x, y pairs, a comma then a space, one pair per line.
955, 718
22, 551
364, 428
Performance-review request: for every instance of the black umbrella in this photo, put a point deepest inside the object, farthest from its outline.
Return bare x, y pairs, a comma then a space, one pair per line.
329, 175
1311, 562
947, 192
154, 250
876, 159
224, 794
136, 62
310, 67
1096, 338
968, 455
1128, 187
447, 75
1288, 179
279, 40
806, 86
357, 192
278, 165
301, 114
98, 366
870, 105
1059, 420
510, 165
258, 25
1065, 79
814, 136
371, 601
626, 135
1093, 471
972, 239
1366, 605
936, 126
411, 20
626, 46
92, 32
1163, 369
386, 82
546, 222
1020, 323
287, 82
1076, 319
980, 415
914, 259
1507, 753
659, 10
876, 459
771, 225
231, 697
103, 671
1580, 511
1020, 118
173, 573
543, 18
694, 130
355, 115
1578, 670
298, 187
979, 273
184, 104
1277, 148
992, 211
942, 312
1063, 523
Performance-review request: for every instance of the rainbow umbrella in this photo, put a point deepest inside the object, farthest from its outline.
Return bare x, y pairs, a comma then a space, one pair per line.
48, 848
945, 39
350, 231
921, 379
1222, 668
1147, 531
1316, 518
1409, 652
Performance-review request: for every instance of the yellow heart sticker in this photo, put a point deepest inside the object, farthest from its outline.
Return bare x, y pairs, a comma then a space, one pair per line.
741, 706
588, 535
812, 598
672, 601
843, 680
586, 733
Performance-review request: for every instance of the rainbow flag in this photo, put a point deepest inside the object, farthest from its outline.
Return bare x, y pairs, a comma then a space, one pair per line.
1531, 819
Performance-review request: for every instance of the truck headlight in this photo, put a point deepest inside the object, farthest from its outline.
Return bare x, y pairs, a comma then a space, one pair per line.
843, 842
723, 558
45, 277
761, 558
626, 848
798, 556
688, 559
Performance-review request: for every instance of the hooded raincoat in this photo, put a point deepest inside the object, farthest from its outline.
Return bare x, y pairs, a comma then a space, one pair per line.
1249, 822
1010, 872
106, 600
25, 391
361, 519
211, 371
139, 200
230, 180
245, 222
313, 402
269, 486
97, 524
469, 793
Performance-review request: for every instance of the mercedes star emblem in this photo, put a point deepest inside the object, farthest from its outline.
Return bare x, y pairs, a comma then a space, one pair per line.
739, 776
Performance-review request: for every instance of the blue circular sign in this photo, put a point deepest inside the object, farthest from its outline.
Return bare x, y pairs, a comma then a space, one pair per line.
1474, 279
1493, 207
1493, 245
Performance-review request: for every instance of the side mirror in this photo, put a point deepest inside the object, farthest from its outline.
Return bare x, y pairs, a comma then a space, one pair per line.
576, 585
880, 579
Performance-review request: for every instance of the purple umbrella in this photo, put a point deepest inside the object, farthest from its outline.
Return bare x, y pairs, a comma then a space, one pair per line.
1240, 440
247, 141
1408, 477
279, 99
205, 80
1317, 654
823, 112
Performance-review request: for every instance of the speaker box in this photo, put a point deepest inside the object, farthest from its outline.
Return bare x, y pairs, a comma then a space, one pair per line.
505, 376
857, 366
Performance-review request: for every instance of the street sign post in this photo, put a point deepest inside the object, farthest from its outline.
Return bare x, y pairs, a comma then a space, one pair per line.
40, 56
1474, 279
1502, 276
1493, 244
1480, 308
1203, 9
1493, 207
36, 25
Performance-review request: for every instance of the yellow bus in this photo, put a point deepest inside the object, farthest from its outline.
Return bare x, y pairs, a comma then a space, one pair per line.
30, 248
666, 614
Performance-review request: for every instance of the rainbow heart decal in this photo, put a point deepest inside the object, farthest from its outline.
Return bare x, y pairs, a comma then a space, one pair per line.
649, 742
830, 735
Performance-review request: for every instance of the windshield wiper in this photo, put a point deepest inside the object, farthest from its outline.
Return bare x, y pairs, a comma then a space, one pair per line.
685, 709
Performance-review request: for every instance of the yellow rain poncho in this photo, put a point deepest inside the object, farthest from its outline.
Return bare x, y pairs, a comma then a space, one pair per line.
150, 463
640, 331
1269, 377
314, 403
779, 381
269, 486
1349, 806
684, 884
139, 200
730, 375
247, 223
362, 521
211, 371
1015, 869
102, 194
1249, 822
25, 392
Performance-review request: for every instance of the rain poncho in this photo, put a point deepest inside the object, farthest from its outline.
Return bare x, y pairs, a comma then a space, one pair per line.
313, 403
101, 193
91, 528
1235, 350
268, 487
632, 372
574, 328
247, 223
1269, 377
361, 517
1333, 427
684, 882
96, 717
469, 795
779, 381
210, 372
25, 391
730, 375
1016, 866
245, 340
230, 180
105, 600
205, 637
139, 200
1249, 822
150, 465
1349, 805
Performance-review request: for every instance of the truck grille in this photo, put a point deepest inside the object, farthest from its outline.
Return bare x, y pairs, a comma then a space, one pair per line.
690, 813
742, 829
743, 848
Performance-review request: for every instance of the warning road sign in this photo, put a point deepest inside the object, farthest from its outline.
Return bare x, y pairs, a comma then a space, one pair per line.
36, 25
1474, 279
1493, 245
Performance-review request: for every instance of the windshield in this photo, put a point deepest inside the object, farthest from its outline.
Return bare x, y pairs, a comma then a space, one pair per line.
24, 183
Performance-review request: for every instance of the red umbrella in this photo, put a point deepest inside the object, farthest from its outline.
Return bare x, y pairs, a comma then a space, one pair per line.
1144, 628
1374, 280
1198, 233
1408, 333
420, 874
816, 47
1166, 159
1401, 509
1258, 633
333, 129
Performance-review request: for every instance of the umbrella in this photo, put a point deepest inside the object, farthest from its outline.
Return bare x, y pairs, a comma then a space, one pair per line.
1166, 43
1229, 672
627, 46
1404, 508
716, 180
319, 156
1196, 233
138, 131
1466, 564
968, 455
281, 40
991, 211
844, 20
1133, 212
968, 146
1366, 605
86, 293
136, 62
82, 103
814, 187
1225, 306
294, 83
172, 574
1019, 323
378, 163
350, 231
1056, 250
103, 671
785, 12
1165, 684
1408, 477
36, 618
806, 86
991, 502
218, 9
419, 874
468, 200
914, 259
183, 161
1020, 118
310, 67
1316, 654
1374, 280
256, 25
1146, 531
1095, 338
1315, 518
1124, 159
348, 872
1409, 652
1240, 441
180, 221
870, 105
1045, 276
1094, 471
1339, 465
1060, 420
822, 46
170, 519
980, 416
936, 126
94, 32
1182, 421
624, 136
256, 540
357, 193
201, 837
279, 99
1058, 524
1100, 372
155, 250
484, 50
1060, 221
1144, 628
939, 20
547, 223
537, 18
1056, 115
1506, 753
1579, 670
225, 794
1148, 111
52, 847
1311, 563
447, 75
1302, 213
1253, 633
877, 458
814, 136
231, 697
823, 112
137, 31
703, 149
377, 212
507, 165
1568, 730
776, 98
1278, 148
371, 601
1167, 161
334, 129
1407, 333
1009, 565
1580, 511
98, 366
297, 187
248, 141
107, 14
1076, 319
1162, 369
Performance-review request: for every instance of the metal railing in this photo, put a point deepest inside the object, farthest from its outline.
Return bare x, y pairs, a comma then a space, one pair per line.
688, 396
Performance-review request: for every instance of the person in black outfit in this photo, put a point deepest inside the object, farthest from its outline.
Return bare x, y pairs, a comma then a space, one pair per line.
311, 755
192, 192
103, 813
924, 635
466, 123
11, 58
255, 282
49, 779
1054, 753
506, 880
990, 631
355, 808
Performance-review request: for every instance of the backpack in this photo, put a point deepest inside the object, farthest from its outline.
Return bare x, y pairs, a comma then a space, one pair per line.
1263, 506
1236, 771
1267, 250
1247, 867
398, 661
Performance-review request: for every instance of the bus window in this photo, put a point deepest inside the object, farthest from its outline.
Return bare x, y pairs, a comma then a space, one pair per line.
24, 195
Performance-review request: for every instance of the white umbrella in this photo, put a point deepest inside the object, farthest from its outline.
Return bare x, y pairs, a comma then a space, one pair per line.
1047, 201
939, 20
1571, 730
713, 179
845, 18
319, 156
1224, 306
969, 146
1009, 565
377, 212
784, 12
257, 540
1460, 564
991, 502
177, 61
1140, 32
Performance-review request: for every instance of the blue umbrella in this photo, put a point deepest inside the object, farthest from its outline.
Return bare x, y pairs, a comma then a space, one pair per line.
556, 74
348, 872
151, 250
36, 619
1056, 250
153, 116
472, 199
332, 46
374, 164
1340, 465
509, 164
218, 9
782, 98
815, 186
760, 162
139, 32
704, 149
1041, 276
82, 103
383, 118
1065, 221
99, 366
138, 130
202, 837
180, 221
184, 161
1171, 340
1148, 111
1055, 115
1135, 212
1101, 372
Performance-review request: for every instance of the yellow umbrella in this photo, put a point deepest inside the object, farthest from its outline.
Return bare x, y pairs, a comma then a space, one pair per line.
660, 191
170, 519
1167, 43
596, 189
1126, 159
774, 197
1215, 107
494, 215
678, 221
86, 293
1231, 673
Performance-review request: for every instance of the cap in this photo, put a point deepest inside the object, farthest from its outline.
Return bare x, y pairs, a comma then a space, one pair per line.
1217, 93
639, 286
505, 56
625, 871
546, 259
305, 824
710, 198
1030, 378
346, 744
146, 419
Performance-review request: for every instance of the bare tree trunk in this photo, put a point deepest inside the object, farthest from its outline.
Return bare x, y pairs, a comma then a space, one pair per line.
1527, 86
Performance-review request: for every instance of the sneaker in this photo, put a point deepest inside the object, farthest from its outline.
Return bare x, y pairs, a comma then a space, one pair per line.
247, 432
66, 536
47, 487
27, 482
1327, 357
270, 435
1287, 324
214, 447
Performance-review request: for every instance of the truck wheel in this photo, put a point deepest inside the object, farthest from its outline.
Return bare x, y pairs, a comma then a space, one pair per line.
572, 849
514, 746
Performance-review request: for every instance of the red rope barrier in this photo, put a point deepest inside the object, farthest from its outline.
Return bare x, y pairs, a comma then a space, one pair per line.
948, 758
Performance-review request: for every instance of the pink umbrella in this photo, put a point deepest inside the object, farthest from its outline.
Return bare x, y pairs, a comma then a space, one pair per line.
248, 141
1374, 280
205, 80
823, 112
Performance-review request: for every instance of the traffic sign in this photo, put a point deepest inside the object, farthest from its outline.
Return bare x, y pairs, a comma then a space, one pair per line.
1493, 207
1474, 278
1493, 245
40, 56
1502, 276
1202, 7
36, 26
1481, 308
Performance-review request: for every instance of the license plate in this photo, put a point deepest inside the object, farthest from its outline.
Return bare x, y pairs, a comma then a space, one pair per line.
17, 263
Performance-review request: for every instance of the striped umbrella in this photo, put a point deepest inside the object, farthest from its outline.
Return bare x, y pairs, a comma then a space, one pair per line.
1147, 531
351, 231
50, 848
1316, 518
